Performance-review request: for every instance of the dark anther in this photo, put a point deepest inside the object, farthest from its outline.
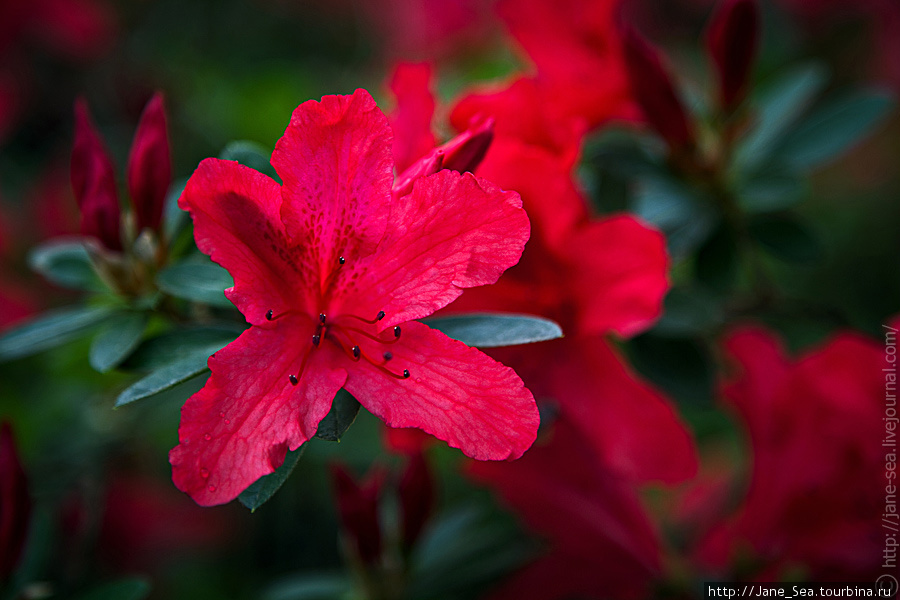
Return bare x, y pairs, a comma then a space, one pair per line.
380, 315
270, 314
316, 339
293, 379
388, 356
405, 373
321, 317
356, 351
396, 331
341, 259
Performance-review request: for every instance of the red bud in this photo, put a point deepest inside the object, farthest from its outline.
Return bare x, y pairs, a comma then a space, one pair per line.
150, 166
653, 90
15, 504
358, 509
732, 41
429, 164
416, 494
466, 151
93, 182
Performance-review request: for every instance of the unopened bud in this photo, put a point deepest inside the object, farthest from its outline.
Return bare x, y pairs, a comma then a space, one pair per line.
732, 41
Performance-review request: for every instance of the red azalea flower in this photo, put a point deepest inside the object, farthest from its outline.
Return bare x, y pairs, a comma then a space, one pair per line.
602, 545
358, 510
15, 503
329, 269
816, 429
592, 275
576, 50
416, 493
93, 175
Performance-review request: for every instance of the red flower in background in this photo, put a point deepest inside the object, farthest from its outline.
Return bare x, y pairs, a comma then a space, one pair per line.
732, 42
327, 269
15, 504
93, 175
592, 275
602, 544
576, 50
358, 509
817, 484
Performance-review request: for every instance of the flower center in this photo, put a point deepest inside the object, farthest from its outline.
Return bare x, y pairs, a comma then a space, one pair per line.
354, 341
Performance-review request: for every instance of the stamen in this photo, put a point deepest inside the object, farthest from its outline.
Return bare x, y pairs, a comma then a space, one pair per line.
356, 352
269, 314
293, 379
388, 356
396, 331
377, 318
316, 339
322, 318
405, 373
341, 260
367, 334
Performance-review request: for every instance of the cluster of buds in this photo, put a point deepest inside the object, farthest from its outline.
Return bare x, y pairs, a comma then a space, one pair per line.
125, 246
368, 545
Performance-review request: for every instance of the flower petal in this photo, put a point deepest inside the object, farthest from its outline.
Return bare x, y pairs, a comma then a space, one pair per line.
335, 162
237, 222
241, 424
619, 275
411, 120
454, 392
150, 166
452, 232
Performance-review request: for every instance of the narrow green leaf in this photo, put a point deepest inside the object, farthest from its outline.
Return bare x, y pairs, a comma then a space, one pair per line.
489, 330
771, 192
203, 282
675, 208
689, 312
49, 330
66, 262
779, 107
833, 128
250, 154
168, 376
174, 218
261, 490
171, 346
785, 237
118, 338
124, 589
344, 409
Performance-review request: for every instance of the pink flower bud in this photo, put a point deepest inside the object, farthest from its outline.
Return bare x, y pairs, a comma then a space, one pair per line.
358, 510
93, 182
653, 90
732, 41
466, 151
150, 166
15, 504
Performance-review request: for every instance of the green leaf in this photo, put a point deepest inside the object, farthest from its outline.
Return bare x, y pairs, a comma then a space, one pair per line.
312, 586
118, 338
175, 219
688, 312
261, 490
833, 128
490, 330
202, 282
682, 366
175, 345
250, 154
168, 376
66, 262
675, 209
771, 192
123, 589
49, 330
779, 106
786, 238
344, 409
